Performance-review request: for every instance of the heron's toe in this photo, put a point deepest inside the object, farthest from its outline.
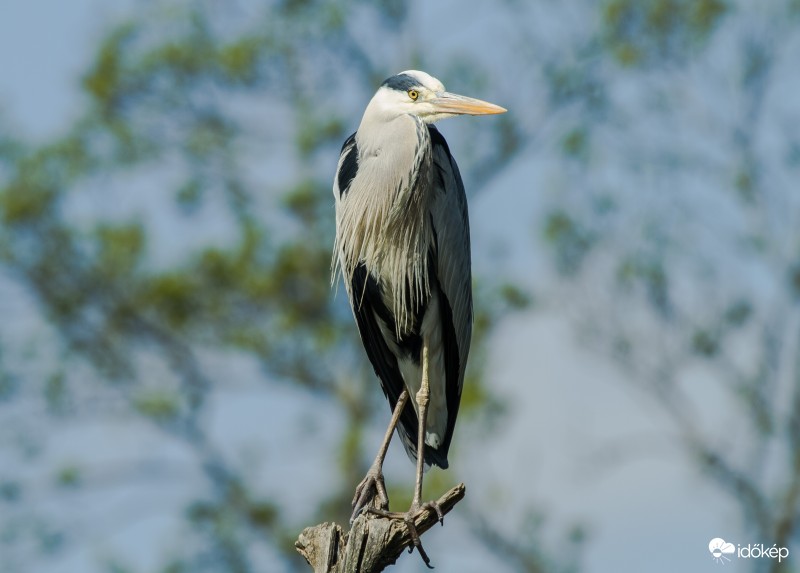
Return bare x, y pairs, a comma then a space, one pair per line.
371, 490
408, 517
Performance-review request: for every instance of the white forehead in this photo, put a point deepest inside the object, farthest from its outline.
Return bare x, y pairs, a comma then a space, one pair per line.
425, 80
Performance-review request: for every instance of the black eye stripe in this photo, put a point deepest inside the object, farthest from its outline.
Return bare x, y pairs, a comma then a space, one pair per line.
401, 83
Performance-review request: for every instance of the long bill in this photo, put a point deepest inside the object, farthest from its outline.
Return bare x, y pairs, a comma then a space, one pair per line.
447, 102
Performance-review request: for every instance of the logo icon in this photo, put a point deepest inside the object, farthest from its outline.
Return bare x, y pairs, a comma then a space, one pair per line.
719, 548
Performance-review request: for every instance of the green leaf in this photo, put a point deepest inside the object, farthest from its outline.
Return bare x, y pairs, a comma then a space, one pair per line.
69, 476
158, 404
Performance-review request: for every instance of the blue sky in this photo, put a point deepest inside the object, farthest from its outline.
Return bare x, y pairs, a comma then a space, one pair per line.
43, 49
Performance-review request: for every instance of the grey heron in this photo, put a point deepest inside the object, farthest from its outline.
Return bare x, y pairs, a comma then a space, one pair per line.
403, 250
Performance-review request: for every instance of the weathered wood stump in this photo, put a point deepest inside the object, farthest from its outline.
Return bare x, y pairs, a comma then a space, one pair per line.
373, 542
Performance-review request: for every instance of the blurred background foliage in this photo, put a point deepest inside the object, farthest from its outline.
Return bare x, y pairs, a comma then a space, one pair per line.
182, 226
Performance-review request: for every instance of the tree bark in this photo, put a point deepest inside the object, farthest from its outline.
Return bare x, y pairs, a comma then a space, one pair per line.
373, 542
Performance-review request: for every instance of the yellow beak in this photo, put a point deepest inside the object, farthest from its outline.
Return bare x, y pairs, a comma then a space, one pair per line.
446, 102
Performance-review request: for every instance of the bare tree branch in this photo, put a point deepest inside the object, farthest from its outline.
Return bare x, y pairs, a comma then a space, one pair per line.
372, 544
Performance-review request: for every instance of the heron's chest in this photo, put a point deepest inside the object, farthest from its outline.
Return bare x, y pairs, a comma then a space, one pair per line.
391, 212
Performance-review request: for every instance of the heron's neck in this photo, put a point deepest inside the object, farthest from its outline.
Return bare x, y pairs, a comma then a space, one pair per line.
395, 163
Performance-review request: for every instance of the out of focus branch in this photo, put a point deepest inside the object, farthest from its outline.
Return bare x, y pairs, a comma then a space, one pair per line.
372, 544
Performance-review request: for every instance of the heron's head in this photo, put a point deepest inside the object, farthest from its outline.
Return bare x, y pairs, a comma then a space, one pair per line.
416, 93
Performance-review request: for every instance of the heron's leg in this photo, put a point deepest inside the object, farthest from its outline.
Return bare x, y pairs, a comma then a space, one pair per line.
373, 484
422, 397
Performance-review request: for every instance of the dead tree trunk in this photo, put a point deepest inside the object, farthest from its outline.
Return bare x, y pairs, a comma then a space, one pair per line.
372, 544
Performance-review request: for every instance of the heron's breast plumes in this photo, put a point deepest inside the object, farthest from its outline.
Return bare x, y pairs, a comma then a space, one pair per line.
383, 222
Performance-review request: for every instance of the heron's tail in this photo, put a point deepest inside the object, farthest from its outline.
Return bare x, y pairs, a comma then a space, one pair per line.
432, 456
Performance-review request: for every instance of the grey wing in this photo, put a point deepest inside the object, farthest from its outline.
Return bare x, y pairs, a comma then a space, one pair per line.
347, 168
453, 266
346, 171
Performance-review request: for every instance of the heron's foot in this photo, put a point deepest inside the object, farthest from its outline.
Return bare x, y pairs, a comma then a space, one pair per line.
408, 518
371, 490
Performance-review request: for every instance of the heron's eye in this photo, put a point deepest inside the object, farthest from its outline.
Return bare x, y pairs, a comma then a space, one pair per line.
413, 94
